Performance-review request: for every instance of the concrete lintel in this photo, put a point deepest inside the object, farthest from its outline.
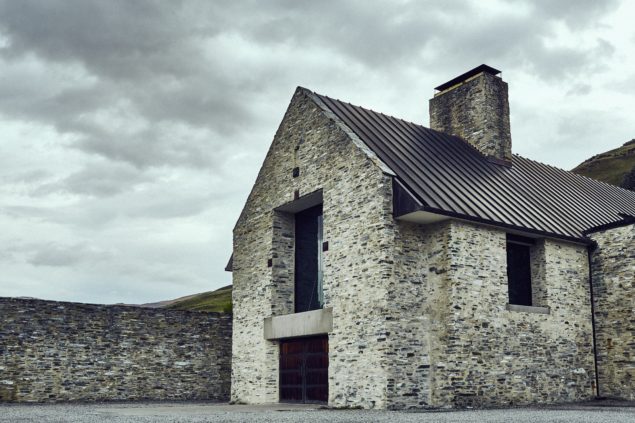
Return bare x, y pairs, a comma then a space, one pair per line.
528, 309
314, 322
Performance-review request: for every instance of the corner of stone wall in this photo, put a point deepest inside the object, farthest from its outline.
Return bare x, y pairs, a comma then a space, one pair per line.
414, 320
613, 272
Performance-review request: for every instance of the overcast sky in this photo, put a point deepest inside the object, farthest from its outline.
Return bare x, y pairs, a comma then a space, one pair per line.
132, 131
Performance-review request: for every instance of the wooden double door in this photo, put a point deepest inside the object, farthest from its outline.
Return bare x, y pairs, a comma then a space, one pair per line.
304, 366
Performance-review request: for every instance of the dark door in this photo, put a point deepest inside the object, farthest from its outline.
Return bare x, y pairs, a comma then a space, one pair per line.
304, 366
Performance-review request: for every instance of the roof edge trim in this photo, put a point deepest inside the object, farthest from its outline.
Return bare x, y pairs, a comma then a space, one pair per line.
626, 220
403, 200
486, 222
230, 264
351, 134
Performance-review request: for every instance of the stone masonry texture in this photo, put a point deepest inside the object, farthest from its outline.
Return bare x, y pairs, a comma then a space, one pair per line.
56, 351
358, 226
420, 312
455, 343
487, 355
478, 112
613, 288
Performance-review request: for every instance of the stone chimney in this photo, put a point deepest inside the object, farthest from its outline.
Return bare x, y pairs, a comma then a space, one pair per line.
475, 107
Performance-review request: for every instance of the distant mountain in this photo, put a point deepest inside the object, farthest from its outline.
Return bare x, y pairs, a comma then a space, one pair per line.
219, 301
167, 303
615, 167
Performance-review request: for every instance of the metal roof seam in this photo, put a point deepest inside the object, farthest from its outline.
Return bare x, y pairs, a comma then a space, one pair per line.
380, 150
450, 176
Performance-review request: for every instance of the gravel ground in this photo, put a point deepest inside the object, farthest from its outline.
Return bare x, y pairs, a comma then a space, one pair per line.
205, 412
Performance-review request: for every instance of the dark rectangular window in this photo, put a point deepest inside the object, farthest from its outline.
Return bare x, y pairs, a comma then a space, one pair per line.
519, 272
308, 260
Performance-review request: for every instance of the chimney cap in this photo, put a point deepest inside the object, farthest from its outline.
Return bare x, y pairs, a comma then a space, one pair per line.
468, 74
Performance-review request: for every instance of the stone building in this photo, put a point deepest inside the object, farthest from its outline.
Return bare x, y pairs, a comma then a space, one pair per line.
381, 264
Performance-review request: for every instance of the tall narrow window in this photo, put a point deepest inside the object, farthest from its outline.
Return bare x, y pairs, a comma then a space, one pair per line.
519, 270
308, 260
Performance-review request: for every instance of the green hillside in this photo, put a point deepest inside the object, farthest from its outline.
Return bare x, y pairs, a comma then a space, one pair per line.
611, 166
219, 301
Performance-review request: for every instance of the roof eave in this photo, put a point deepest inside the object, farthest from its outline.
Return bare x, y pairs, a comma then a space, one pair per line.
578, 240
406, 202
625, 221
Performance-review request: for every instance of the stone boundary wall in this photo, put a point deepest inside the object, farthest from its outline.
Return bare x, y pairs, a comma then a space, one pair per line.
58, 351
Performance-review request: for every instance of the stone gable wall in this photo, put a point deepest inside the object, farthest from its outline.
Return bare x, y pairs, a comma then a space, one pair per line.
358, 226
56, 351
613, 264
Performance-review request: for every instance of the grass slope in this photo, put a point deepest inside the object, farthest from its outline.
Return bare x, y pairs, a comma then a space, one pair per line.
610, 166
219, 301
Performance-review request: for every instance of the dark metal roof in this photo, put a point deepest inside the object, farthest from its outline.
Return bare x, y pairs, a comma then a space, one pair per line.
466, 75
450, 177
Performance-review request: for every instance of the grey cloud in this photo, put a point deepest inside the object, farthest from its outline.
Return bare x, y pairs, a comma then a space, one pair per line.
377, 34
148, 59
53, 254
164, 110
97, 179
521, 42
103, 181
580, 89
27, 177
171, 206
217, 102
109, 199
31, 212
575, 13
153, 40
148, 147
7, 255
164, 64
109, 37
624, 84
74, 216
586, 126
380, 35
